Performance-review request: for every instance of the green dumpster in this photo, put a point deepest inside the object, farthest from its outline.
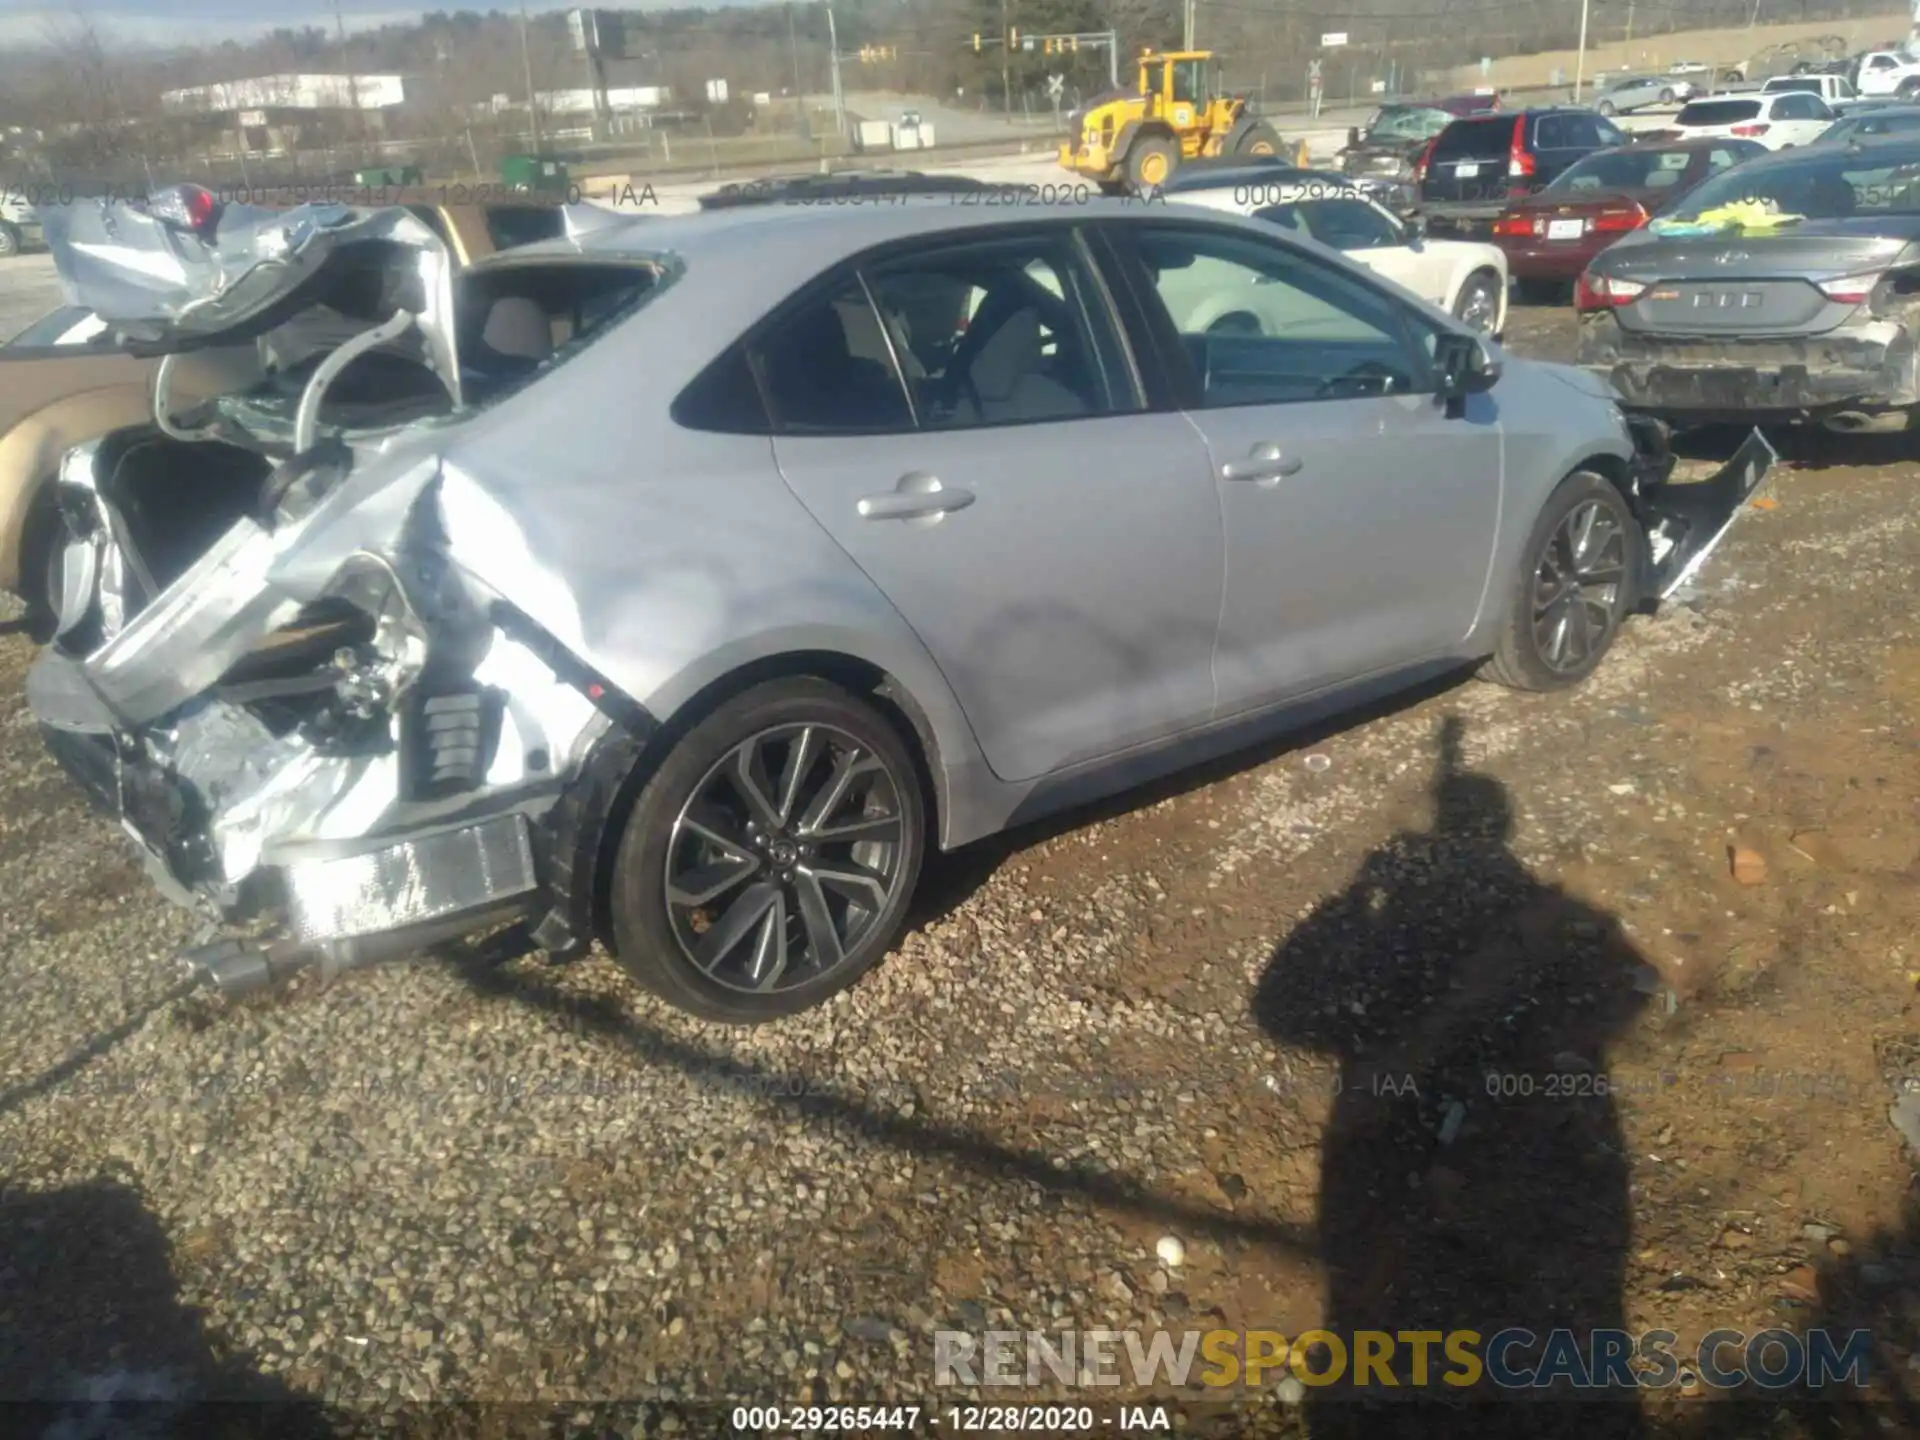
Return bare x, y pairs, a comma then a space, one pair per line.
534, 172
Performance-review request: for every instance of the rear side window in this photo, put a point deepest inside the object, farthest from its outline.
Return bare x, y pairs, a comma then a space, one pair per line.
826, 368
509, 226
1718, 112
1555, 132
1475, 139
725, 398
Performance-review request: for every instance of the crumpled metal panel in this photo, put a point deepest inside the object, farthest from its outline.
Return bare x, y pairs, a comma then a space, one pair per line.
414, 881
151, 278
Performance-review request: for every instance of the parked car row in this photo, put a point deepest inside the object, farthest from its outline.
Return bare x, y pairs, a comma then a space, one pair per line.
679, 583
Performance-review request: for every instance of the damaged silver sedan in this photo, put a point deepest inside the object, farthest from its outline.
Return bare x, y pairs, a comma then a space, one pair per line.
677, 584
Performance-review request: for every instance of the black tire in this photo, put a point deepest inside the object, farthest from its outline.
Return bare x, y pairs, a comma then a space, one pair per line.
43, 544
1666, 97
653, 932
11, 242
1605, 107
1151, 161
1258, 138
1520, 661
1479, 293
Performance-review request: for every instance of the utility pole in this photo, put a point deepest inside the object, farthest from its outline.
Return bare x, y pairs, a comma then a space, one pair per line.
1006, 60
1187, 30
799, 95
526, 63
1580, 64
839, 99
1630, 5
353, 85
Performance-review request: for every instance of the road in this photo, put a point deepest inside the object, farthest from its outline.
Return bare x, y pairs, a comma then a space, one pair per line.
1153, 1020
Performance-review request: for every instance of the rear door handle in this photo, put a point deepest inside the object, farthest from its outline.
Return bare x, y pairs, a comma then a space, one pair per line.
1266, 461
918, 496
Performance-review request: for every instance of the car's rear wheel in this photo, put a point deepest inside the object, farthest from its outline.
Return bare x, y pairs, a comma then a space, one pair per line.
1666, 97
1478, 303
1605, 107
1576, 581
768, 862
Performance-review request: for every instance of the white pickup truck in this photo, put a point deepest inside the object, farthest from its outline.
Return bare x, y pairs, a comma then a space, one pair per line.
1834, 89
1889, 72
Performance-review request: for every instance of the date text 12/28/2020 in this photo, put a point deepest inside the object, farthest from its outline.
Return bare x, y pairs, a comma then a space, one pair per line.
957, 1419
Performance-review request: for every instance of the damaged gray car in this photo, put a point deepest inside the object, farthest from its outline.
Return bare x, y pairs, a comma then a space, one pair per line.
1784, 290
677, 585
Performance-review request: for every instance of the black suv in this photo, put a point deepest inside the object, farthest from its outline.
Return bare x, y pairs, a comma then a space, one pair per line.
1477, 164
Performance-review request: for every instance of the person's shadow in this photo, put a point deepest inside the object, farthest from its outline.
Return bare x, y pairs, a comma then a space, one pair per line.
1473, 1173
95, 1343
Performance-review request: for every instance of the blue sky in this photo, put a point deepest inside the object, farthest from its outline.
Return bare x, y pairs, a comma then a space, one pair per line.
191, 21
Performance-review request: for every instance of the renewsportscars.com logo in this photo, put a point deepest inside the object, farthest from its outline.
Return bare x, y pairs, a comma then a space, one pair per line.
1511, 1359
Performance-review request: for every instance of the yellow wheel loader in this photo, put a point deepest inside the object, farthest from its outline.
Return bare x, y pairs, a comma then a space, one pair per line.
1136, 141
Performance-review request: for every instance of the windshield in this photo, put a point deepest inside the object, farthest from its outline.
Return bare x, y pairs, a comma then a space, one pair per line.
1624, 170
1823, 187
1408, 124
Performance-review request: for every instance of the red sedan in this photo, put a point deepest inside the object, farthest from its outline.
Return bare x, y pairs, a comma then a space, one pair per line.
1552, 235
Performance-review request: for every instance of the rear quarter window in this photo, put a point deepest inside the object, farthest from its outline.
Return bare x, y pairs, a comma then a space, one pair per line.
510, 226
1483, 139
1718, 112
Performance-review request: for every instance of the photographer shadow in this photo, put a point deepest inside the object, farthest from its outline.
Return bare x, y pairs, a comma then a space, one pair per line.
1473, 1170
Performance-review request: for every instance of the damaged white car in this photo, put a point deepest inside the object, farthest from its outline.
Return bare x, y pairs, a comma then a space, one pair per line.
676, 584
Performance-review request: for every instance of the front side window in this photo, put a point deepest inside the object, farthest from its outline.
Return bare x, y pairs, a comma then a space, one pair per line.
1350, 225
1263, 323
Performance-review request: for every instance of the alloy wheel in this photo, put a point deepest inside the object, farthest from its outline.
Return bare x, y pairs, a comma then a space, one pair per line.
1576, 588
1479, 306
784, 856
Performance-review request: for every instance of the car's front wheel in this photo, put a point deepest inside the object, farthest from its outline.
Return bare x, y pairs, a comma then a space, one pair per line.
10, 239
1605, 107
1478, 303
1576, 581
769, 860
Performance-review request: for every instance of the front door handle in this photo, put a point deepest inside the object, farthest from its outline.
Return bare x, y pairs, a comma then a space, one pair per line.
1266, 461
918, 496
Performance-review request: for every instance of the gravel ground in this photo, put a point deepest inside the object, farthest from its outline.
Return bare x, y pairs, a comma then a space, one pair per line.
436, 1181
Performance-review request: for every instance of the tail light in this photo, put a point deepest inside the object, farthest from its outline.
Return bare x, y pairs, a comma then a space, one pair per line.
1519, 162
1420, 165
1602, 292
187, 207
1748, 132
1618, 220
1511, 224
1850, 289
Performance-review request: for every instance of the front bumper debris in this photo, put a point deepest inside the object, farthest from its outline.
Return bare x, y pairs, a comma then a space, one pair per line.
1685, 523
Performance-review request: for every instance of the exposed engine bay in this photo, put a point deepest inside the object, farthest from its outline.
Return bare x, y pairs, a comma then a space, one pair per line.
275, 659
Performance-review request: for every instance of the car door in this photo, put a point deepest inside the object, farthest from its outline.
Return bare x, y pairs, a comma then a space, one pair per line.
1359, 518
962, 417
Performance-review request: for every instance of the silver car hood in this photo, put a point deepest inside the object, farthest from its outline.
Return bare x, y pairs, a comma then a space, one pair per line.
163, 288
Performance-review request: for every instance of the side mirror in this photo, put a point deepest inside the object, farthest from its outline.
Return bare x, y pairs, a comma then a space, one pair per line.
1416, 227
1353, 135
1466, 365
